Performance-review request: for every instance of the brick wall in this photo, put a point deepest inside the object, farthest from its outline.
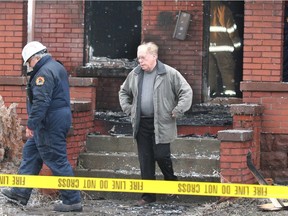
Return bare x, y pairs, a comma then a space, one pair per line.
12, 35
263, 41
109, 81
57, 24
274, 159
60, 26
82, 125
262, 75
84, 89
12, 89
186, 55
108, 89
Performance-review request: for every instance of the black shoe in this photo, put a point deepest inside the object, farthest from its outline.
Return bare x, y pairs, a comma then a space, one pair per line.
77, 207
13, 197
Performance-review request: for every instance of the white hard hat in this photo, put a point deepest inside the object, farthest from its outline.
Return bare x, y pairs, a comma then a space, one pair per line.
31, 49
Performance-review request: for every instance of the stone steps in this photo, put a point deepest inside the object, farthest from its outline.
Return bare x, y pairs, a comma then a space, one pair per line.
129, 161
189, 145
194, 159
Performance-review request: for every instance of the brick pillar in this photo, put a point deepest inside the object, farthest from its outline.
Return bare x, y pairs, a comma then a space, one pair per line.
249, 116
82, 125
236, 143
234, 147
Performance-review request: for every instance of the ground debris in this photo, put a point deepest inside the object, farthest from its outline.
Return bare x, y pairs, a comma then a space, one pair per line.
200, 115
10, 133
42, 205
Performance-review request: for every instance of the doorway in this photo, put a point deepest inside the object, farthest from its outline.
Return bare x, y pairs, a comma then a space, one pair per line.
223, 43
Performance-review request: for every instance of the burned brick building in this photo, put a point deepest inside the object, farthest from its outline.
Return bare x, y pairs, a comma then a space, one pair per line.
97, 42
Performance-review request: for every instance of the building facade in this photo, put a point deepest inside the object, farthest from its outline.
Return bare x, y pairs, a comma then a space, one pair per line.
72, 35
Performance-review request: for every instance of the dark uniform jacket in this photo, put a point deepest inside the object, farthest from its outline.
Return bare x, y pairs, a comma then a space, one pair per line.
49, 90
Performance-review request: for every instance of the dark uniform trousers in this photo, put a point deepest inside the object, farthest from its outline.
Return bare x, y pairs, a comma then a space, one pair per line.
221, 65
149, 153
48, 145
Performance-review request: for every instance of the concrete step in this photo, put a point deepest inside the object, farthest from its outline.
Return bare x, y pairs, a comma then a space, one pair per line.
129, 161
190, 145
135, 174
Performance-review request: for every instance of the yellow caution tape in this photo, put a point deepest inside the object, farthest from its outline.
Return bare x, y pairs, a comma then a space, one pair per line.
145, 186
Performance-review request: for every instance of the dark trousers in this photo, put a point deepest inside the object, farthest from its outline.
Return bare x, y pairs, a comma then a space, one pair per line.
221, 69
49, 146
149, 153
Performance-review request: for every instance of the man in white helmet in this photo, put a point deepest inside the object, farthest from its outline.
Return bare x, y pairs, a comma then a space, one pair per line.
49, 120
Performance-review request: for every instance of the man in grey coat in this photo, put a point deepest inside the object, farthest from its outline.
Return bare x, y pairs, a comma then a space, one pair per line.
154, 94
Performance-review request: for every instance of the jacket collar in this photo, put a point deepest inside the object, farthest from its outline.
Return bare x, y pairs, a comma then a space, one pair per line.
39, 64
159, 67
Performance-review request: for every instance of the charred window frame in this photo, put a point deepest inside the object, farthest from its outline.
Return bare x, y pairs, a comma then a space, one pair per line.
112, 29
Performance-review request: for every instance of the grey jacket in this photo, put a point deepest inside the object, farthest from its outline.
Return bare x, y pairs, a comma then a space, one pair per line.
172, 94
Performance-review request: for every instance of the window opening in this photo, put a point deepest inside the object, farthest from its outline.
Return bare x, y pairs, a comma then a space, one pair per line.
113, 29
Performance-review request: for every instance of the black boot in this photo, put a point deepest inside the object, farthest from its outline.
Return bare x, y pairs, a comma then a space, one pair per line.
10, 195
77, 207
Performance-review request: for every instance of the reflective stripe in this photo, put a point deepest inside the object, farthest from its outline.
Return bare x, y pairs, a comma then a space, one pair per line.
217, 29
236, 45
232, 29
221, 48
223, 29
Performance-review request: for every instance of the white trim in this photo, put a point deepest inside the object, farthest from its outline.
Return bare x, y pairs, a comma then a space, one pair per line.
30, 20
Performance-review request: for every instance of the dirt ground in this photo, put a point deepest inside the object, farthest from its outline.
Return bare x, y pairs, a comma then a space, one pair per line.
40, 204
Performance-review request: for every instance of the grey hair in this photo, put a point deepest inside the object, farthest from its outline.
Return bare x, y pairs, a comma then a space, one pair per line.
151, 47
41, 54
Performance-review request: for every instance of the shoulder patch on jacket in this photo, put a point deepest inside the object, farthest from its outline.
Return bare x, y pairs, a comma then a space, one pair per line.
40, 81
